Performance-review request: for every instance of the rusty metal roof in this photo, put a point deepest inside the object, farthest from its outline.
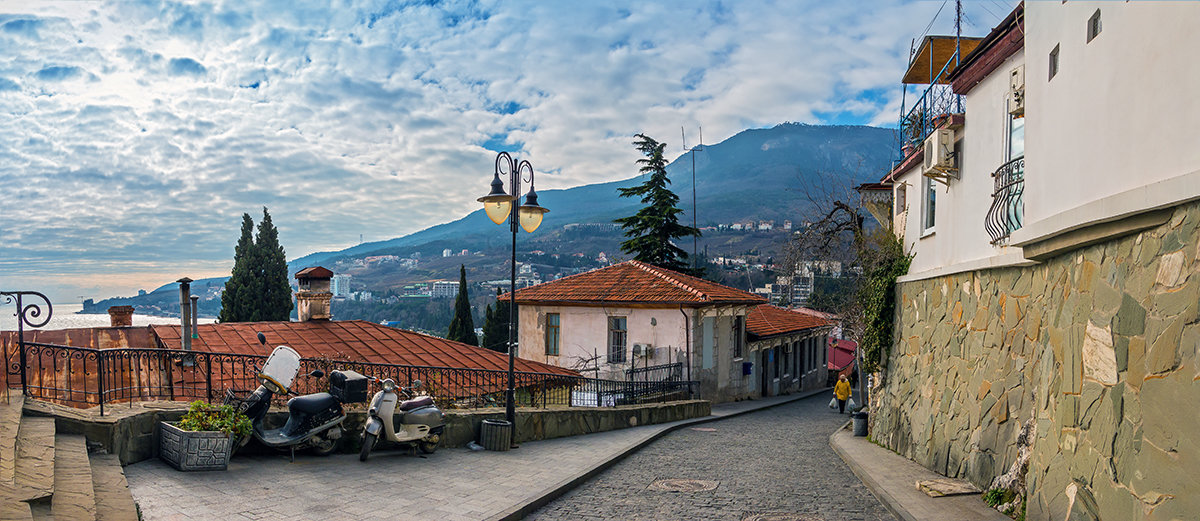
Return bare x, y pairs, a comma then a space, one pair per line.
355, 340
768, 321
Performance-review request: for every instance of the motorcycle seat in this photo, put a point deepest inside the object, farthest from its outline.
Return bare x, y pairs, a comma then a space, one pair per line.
408, 405
312, 403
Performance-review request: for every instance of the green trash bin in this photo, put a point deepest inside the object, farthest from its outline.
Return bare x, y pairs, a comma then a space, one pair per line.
495, 435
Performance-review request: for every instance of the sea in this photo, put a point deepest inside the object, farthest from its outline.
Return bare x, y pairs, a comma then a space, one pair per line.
68, 316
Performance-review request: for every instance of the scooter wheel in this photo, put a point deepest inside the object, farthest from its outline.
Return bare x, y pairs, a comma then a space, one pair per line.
324, 447
368, 443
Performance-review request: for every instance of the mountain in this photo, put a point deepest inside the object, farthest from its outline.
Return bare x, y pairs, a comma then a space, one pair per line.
758, 174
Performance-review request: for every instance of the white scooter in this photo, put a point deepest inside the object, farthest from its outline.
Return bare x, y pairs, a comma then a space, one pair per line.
417, 422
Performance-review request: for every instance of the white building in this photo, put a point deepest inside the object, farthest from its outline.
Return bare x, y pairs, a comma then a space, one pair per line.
1053, 215
444, 288
340, 285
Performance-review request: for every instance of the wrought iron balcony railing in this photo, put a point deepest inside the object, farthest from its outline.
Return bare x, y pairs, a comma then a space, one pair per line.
1007, 212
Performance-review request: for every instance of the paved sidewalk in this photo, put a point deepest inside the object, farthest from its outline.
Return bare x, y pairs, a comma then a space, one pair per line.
892, 478
450, 485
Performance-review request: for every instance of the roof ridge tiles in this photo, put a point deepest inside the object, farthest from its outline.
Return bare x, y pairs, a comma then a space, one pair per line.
654, 270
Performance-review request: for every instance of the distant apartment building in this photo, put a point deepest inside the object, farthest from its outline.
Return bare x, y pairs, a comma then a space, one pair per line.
447, 252
340, 285
444, 288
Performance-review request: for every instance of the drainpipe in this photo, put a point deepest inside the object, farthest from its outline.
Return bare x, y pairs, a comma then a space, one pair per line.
687, 342
185, 312
195, 315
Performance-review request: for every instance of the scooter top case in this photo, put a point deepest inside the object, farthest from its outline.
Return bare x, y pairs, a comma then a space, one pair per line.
280, 370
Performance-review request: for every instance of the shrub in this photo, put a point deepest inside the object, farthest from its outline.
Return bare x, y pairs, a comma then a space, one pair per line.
204, 417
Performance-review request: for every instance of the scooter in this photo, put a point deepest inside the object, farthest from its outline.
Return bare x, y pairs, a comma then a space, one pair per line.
314, 420
419, 422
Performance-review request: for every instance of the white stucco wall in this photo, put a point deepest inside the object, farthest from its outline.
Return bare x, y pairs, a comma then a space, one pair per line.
959, 237
1120, 117
583, 333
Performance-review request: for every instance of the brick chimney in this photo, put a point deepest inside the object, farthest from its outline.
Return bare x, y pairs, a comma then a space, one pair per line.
314, 295
121, 316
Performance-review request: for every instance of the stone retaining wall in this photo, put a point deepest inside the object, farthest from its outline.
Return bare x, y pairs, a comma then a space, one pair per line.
132, 434
1093, 351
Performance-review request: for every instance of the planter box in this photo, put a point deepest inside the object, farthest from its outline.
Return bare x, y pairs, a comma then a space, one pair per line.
193, 450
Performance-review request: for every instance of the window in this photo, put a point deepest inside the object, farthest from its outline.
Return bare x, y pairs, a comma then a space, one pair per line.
739, 335
1016, 137
616, 340
1094, 26
1053, 62
901, 197
552, 321
928, 211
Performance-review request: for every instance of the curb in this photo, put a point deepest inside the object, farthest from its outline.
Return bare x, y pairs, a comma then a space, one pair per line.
889, 502
547, 495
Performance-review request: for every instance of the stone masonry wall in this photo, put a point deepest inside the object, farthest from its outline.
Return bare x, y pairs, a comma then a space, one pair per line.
1094, 350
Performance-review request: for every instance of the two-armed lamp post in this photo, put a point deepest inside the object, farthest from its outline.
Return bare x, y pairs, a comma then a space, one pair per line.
499, 206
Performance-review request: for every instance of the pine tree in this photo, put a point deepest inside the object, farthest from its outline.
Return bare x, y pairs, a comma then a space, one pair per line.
462, 326
275, 301
234, 300
495, 326
653, 228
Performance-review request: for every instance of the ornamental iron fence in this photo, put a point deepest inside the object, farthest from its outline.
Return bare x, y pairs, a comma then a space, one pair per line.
1007, 212
87, 377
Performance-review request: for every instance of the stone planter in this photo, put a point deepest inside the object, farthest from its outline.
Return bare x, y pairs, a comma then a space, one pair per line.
193, 450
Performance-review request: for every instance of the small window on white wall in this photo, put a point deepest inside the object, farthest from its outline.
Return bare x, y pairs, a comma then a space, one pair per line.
901, 198
1053, 63
1094, 26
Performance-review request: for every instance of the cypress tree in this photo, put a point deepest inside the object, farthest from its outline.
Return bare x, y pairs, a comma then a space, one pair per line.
275, 300
653, 228
495, 326
462, 326
234, 300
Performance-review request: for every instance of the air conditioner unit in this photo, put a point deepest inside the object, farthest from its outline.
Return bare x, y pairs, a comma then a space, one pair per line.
939, 151
1016, 91
641, 349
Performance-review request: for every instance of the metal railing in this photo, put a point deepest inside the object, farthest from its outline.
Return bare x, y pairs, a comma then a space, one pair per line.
937, 101
1007, 212
86, 377
656, 373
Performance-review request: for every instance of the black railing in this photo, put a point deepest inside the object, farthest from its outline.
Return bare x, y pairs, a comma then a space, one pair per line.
85, 377
1007, 213
938, 100
656, 373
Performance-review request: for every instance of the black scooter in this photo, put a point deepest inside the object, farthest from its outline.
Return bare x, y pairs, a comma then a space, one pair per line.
314, 420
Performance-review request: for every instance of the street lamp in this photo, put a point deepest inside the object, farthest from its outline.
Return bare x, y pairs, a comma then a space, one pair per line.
500, 206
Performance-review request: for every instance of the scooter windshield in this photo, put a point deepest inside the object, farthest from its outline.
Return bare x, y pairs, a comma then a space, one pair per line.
280, 370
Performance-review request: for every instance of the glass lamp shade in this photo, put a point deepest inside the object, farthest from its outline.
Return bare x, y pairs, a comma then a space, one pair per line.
498, 211
531, 217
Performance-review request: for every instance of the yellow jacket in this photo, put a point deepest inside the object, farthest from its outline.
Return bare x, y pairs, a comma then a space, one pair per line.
842, 390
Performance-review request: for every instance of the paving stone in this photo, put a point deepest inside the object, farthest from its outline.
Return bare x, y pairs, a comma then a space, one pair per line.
74, 495
35, 457
10, 421
113, 501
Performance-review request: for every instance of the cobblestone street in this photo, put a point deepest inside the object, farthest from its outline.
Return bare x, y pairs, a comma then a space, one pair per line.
774, 461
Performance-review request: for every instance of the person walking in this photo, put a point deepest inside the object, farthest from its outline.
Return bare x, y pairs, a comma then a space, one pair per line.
841, 391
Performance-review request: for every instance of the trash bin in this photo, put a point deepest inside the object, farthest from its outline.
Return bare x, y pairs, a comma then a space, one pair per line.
860, 423
495, 435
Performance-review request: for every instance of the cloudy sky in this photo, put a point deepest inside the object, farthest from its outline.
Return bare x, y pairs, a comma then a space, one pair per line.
134, 134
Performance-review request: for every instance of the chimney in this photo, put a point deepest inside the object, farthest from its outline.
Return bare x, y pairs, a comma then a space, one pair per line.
314, 295
121, 316
195, 315
185, 312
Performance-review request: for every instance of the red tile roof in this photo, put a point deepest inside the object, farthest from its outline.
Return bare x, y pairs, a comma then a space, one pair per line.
633, 282
354, 340
767, 321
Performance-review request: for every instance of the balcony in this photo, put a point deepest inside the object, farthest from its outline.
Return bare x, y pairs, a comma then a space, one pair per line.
1007, 212
927, 113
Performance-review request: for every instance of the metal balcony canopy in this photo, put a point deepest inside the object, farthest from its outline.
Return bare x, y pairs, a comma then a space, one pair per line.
932, 56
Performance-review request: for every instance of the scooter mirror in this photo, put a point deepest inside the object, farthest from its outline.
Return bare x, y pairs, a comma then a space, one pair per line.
416, 384
317, 373
262, 339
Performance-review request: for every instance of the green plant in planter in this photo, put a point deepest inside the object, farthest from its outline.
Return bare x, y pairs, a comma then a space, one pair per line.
201, 416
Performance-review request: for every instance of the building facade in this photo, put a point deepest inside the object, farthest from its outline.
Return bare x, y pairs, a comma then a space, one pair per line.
631, 316
1046, 333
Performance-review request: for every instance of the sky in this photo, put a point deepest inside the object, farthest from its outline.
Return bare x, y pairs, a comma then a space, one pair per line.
135, 134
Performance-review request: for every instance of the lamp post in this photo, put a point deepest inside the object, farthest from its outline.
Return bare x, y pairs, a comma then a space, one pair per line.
500, 206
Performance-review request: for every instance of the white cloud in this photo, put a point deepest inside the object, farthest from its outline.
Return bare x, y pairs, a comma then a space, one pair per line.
136, 133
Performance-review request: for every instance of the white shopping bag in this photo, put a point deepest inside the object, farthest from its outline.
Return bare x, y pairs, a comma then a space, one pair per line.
851, 405
833, 403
